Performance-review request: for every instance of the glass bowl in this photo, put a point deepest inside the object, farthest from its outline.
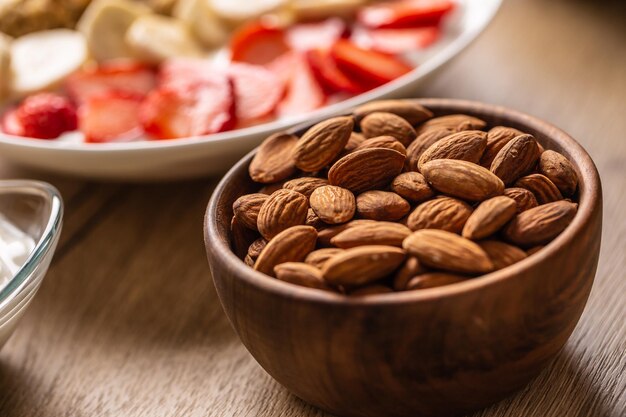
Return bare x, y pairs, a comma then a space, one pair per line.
36, 209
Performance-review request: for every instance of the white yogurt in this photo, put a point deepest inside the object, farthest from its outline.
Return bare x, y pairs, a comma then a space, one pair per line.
15, 247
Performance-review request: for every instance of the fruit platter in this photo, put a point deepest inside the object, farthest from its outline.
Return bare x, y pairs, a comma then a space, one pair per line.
129, 90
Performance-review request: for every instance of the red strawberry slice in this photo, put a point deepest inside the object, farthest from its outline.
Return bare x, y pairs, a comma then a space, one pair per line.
183, 70
399, 41
369, 67
11, 124
257, 90
258, 43
306, 36
198, 107
303, 92
329, 75
41, 116
121, 75
111, 116
405, 13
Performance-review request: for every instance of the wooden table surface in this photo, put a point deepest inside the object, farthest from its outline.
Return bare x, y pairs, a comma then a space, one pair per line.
127, 322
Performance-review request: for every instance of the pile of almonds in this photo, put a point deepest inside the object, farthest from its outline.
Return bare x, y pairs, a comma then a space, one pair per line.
394, 199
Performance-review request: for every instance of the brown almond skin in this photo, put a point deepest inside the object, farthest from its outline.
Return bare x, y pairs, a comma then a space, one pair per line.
560, 171
524, 199
269, 189
453, 122
256, 247
387, 124
246, 209
542, 188
497, 137
332, 204
445, 213
422, 142
433, 280
242, 236
489, 217
516, 158
313, 220
318, 258
272, 161
290, 245
321, 144
301, 274
468, 146
354, 141
462, 179
362, 265
249, 261
412, 186
410, 268
502, 254
381, 205
388, 142
377, 233
305, 185
283, 209
325, 235
447, 251
366, 169
409, 110
541, 224
373, 289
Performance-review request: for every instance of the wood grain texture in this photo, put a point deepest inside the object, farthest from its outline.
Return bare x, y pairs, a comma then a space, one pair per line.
142, 334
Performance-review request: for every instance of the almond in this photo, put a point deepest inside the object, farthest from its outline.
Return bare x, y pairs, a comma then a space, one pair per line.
272, 161
376, 233
381, 205
433, 280
305, 185
242, 236
409, 110
363, 264
283, 209
313, 220
366, 169
462, 179
290, 245
408, 270
246, 209
318, 258
256, 247
321, 144
249, 261
355, 140
468, 145
445, 213
541, 224
388, 124
497, 137
489, 217
423, 141
325, 235
412, 186
516, 158
269, 189
332, 204
444, 250
453, 122
524, 199
372, 289
534, 250
560, 171
502, 254
301, 274
542, 188
388, 142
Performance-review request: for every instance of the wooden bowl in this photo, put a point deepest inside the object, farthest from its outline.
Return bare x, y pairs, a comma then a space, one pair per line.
435, 352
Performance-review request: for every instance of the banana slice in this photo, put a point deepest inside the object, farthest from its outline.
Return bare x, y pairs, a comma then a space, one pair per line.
40, 60
202, 21
321, 9
5, 65
156, 38
105, 23
235, 12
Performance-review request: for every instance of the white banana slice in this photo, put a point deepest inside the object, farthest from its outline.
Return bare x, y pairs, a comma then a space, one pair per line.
320, 9
41, 60
156, 38
202, 21
105, 23
5, 66
235, 12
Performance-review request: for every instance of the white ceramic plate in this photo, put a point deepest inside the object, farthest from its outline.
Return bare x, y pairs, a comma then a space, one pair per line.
213, 154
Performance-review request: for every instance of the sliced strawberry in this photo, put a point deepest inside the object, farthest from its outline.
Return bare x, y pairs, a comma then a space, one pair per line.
257, 90
258, 43
303, 93
198, 107
111, 116
371, 68
398, 41
306, 36
183, 70
405, 13
42, 116
120, 75
11, 124
329, 75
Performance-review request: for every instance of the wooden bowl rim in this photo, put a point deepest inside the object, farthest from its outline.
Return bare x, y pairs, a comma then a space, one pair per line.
589, 191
